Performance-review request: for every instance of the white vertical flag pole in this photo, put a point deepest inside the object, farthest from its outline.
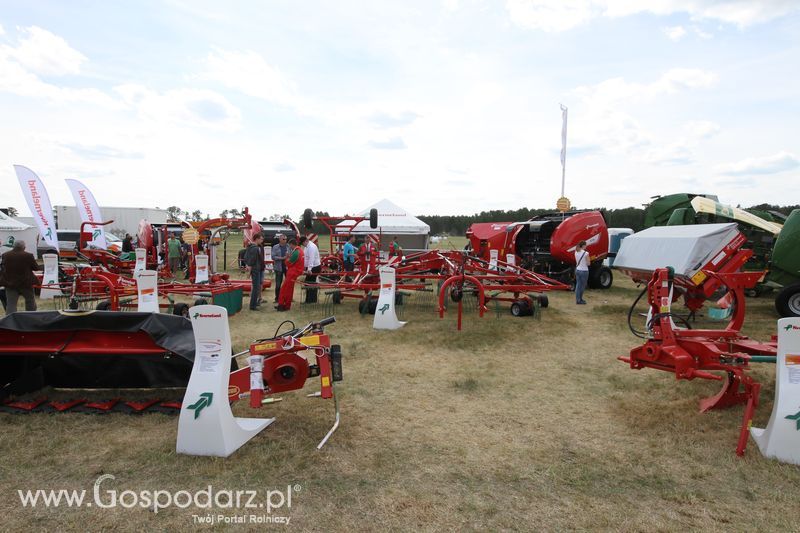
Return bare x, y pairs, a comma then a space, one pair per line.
563, 146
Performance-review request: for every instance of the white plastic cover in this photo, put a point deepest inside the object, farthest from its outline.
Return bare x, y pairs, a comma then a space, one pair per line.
685, 248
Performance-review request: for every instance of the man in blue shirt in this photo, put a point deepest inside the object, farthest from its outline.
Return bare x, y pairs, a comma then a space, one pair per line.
279, 253
349, 254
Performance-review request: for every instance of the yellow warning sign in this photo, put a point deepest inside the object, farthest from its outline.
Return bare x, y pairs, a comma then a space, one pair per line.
191, 236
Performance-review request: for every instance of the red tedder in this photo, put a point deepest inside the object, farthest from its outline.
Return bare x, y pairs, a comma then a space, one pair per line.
696, 353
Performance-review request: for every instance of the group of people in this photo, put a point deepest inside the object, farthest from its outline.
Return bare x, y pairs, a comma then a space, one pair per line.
290, 259
294, 257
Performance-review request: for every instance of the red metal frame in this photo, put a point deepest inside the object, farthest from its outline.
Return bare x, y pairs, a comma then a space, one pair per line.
696, 353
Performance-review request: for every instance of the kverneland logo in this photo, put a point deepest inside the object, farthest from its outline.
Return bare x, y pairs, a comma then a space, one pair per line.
792, 327
212, 315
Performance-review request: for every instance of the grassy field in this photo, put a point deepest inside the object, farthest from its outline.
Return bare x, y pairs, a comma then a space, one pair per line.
512, 423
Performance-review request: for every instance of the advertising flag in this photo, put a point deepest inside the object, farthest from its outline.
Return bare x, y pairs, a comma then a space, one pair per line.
39, 204
89, 211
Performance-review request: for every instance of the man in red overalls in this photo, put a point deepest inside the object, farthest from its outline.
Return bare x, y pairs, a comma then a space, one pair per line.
367, 256
295, 264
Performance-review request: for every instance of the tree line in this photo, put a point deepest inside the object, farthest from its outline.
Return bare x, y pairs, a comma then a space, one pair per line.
627, 217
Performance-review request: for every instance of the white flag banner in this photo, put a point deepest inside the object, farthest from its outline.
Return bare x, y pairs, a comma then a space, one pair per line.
89, 211
563, 136
39, 204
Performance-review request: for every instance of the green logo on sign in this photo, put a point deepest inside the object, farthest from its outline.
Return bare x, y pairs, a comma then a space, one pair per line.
795, 417
202, 403
195, 315
49, 233
95, 234
384, 308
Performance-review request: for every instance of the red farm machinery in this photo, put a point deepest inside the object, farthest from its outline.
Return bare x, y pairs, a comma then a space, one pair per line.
697, 264
546, 244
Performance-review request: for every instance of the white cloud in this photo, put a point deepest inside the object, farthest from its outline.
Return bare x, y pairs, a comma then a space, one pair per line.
190, 107
2, 31
702, 34
551, 16
609, 122
770, 164
561, 15
675, 33
250, 73
46, 54
701, 129
395, 143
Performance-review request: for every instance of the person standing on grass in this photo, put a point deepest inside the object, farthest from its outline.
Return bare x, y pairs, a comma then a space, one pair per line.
349, 255
280, 252
294, 267
174, 254
18, 278
313, 266
395, 250
582, 261
254, 264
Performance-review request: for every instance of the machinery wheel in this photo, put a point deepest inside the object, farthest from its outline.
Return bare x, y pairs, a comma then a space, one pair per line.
521, 308
201, 301
456, 294
74, 304
600, 278
308, 218
181, 309
544, 301
398, 298
373, 218
105, 305
336, 297
368, 306
787, 303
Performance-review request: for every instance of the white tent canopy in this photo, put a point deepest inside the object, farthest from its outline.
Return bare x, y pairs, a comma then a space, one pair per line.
10, 227
392, 220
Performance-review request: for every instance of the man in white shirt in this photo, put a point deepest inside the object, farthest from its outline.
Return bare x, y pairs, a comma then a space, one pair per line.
582, 262
313, 266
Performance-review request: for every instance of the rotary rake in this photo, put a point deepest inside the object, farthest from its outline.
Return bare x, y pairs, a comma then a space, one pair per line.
451, 275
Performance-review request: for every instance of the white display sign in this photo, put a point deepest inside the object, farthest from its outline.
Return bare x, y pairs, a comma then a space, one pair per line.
268, 265
206, 425
493, 259
201, 268
50, 286
781, 438
385, 315
141, 261
147, 289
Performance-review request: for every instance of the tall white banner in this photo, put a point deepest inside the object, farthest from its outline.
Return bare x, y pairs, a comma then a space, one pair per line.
89, 211
39, 204
563, 146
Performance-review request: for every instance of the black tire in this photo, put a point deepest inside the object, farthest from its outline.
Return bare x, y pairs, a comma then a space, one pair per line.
398, 298
787, 303
373, 218
544, 301
368, 306
336, 297
308, 218
516, 309
181, 309
605, 278
201, 301
105, 305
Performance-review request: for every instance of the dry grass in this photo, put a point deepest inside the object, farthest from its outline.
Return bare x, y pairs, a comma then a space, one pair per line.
509, 424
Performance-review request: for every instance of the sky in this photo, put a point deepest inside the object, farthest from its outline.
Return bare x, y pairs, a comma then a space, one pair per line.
444, 107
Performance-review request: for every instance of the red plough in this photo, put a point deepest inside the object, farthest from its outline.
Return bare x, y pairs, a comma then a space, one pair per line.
696, 353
